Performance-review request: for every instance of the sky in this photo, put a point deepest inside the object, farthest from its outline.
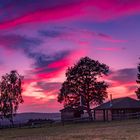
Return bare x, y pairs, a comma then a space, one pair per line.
42, 38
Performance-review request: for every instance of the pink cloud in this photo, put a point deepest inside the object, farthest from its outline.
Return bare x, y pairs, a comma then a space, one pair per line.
109, 48
57, 67
122, 82
85, 35
59, 64
109, 38
53, 14
110, 10
32, 104
90, 9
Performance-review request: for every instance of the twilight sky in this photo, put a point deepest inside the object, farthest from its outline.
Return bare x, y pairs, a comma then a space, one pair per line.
42, 38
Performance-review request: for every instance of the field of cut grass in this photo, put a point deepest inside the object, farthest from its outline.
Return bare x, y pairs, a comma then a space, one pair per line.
123, 130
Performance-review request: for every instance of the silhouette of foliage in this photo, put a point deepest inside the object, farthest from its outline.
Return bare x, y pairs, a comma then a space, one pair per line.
10, 94
138, 82
40, 121
82, 84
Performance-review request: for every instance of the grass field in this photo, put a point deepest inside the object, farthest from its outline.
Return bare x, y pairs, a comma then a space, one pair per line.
123, 130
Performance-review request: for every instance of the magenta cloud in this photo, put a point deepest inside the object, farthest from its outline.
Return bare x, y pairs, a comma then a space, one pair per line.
93, 10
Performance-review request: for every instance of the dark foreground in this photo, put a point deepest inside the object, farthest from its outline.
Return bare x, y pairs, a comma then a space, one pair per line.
123, 130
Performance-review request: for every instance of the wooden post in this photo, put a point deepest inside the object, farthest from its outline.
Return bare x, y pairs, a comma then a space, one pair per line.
94, 115
104, 114
111, 114
107, 115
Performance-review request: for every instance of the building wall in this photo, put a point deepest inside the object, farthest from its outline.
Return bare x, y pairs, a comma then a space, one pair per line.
99, 115
85, 115
116, 114
67, 115
109, 115
120, 114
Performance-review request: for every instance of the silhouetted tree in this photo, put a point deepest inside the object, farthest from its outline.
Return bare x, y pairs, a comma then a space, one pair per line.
10, 94
138, 82
82, 84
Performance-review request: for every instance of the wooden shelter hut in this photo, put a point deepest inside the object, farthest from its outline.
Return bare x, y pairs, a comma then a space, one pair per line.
69, 113
116, 109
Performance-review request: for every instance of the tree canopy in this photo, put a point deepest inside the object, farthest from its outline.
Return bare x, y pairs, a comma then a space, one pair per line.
10, 94
82, 85
138, 82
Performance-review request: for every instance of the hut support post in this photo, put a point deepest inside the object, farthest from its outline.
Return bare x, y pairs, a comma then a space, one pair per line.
104, 114
94, 115
107, 115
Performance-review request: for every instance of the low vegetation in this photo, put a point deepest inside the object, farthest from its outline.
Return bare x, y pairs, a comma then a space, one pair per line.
123, 130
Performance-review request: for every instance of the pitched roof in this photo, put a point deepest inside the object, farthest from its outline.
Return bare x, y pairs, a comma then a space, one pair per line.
120, 103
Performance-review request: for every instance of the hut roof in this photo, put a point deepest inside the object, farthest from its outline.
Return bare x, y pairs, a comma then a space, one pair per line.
69, 109
120, 103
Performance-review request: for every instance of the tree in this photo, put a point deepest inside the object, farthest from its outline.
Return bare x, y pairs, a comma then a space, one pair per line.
138, 82
83, 84
10, 94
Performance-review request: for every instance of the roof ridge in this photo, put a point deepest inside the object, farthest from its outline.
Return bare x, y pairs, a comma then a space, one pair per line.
122, 101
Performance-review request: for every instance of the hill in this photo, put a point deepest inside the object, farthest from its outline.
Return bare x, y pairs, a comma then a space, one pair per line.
24, 117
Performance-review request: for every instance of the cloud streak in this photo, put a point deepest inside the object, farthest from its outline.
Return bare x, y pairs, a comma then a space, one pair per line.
122, 82
95, 10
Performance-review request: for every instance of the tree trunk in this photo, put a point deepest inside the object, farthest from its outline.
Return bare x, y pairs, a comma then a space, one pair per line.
11, 119
12, 122
89, 112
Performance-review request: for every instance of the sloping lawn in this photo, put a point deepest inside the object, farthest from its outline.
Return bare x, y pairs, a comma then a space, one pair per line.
121, 130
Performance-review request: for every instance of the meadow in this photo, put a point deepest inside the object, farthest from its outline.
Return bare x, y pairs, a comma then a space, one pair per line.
117, 130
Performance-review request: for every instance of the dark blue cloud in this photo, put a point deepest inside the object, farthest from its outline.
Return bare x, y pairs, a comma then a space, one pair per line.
4, 3
49, 86
18, 42
12, 9
43, 60
124, 75
51, 33
30, 47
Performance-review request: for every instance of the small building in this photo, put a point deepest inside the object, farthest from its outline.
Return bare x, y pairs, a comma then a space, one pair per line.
69, 113
116, 109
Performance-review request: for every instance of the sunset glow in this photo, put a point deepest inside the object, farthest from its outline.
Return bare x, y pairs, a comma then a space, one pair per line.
42, 38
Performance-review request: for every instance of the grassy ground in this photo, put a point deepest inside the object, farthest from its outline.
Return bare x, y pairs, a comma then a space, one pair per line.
123, 130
